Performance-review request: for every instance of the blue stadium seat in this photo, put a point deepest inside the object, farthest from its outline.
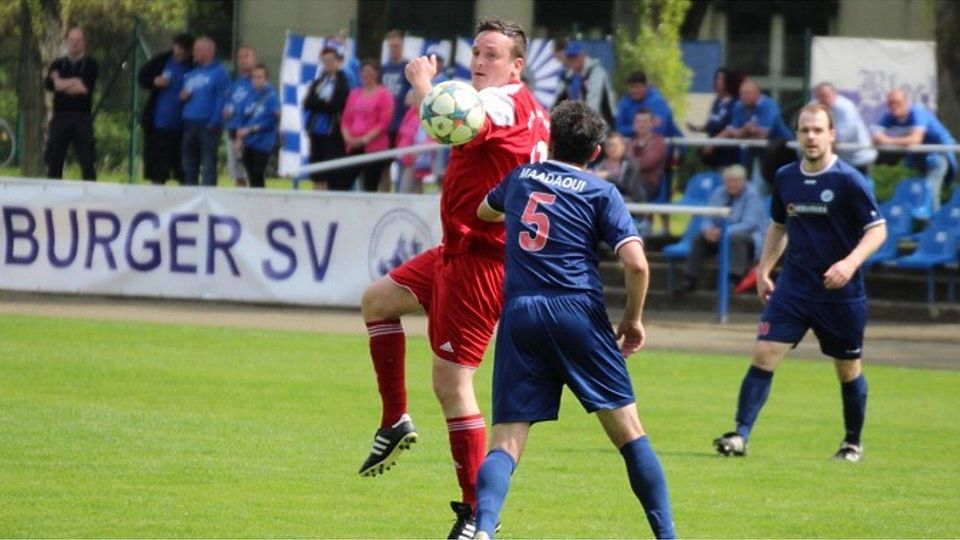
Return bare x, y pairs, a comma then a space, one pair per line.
937, 247
948, 217
681, 250
916, 194
899, 226
699, 187
955, 196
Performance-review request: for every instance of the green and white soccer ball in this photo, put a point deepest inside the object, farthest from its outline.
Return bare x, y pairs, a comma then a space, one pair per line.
452, 113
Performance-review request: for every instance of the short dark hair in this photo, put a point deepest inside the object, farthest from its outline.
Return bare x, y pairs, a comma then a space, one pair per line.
637, 77
510, 29
575, 132
184, 40
642, 110
261, 67
395, 33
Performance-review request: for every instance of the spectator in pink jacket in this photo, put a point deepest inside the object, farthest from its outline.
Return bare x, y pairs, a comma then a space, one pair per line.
413, 167
366, 119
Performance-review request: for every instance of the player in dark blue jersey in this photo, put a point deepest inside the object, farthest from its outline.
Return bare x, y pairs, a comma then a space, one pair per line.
554, 329
825, 208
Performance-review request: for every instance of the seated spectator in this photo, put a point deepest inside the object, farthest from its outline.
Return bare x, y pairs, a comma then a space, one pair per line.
586, 80
615, 167
906, 125
257, 134
365, 125
757, 116
726, 86
849, 126
745, 228
647, 153
324, 104
640, 95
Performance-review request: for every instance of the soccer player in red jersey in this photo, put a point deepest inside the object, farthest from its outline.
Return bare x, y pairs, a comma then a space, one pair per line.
458, 283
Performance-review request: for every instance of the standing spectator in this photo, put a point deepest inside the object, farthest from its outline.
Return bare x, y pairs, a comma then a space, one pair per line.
162, 117
825, 223
586, 80
324, 103
757, 116
257, 131
393, 78
726, 86
615, 167
441, 65
413, 167
237, 95
745, 228
555, 331
365, 125
849, 126
906, 125
641, 95
204, 90
72, 79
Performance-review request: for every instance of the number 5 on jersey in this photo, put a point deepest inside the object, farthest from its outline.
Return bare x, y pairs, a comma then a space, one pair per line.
540, 220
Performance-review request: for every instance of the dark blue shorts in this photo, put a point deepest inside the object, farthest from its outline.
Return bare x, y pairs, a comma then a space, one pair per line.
544, 343
838, 326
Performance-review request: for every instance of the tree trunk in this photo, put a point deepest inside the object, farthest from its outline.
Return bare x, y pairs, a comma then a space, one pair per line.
32, 107
948, 64
37, 51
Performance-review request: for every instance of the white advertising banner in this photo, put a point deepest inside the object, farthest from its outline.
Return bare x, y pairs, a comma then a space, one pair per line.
865, 70
211, 243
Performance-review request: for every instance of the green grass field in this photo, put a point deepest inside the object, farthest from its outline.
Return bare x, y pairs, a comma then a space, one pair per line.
146, 430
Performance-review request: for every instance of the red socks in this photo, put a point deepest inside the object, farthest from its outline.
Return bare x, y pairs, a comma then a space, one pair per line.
468, 444
388, 349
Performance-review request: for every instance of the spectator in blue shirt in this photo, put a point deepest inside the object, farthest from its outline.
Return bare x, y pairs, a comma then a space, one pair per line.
757, 116
257, 131
907, 125
162, 118
237, 95
204, 90
745, 227
393, 77
641, 95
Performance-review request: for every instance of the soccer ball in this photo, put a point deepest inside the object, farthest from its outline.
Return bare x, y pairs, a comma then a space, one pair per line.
452, 113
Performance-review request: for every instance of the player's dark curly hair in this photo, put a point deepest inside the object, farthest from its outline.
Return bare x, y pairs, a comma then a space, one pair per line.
510, 29
575, 132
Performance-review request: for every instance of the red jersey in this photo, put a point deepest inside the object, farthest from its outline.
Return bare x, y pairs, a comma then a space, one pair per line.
517, 131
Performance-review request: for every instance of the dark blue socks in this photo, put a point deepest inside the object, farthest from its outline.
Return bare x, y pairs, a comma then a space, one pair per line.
493, 482
854, 394
753, 394
649, 485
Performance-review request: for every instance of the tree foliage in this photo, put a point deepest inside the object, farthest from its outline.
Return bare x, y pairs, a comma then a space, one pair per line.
654, 47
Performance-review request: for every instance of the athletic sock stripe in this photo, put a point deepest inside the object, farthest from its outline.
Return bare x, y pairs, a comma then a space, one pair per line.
466, 425
373, 332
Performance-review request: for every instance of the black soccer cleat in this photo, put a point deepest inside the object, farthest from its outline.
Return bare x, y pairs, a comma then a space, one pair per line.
388, 443
849, 452
731, 444
465, 527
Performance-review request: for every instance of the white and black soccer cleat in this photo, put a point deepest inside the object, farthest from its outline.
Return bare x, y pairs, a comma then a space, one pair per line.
465, 527
731, 444
849, 452
388, 443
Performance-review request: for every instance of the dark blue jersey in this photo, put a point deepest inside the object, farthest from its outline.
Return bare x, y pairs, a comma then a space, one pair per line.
825, 215
556, 214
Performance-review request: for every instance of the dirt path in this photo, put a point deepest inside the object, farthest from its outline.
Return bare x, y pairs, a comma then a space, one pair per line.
917, 345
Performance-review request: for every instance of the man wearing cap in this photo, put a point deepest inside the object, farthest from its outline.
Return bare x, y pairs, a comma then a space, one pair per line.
586, 80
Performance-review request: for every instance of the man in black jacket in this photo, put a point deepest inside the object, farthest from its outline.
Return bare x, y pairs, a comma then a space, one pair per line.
162, 119
72, 78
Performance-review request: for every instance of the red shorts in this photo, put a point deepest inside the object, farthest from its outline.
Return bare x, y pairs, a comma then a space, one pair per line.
463, 297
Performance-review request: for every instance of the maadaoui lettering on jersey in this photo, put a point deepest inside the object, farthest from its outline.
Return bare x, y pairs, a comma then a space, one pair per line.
559, 180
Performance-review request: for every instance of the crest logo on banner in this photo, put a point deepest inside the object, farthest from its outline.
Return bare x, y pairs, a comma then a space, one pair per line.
399, 236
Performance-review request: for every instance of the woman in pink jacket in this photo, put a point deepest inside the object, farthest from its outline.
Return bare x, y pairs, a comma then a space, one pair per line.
366, 118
